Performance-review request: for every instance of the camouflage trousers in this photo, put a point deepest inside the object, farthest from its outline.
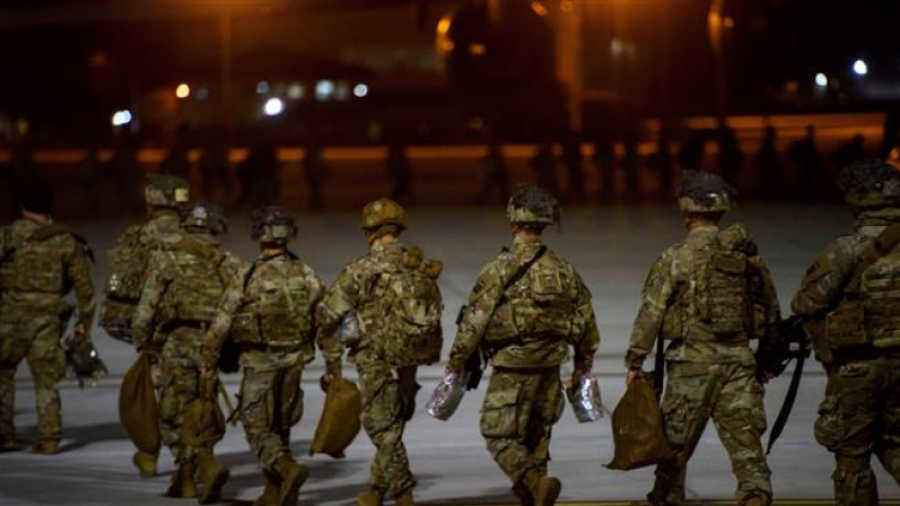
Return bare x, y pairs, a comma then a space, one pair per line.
520, 408
35, 339
271, 403
730, 394
180, 385
388, 402
860, 416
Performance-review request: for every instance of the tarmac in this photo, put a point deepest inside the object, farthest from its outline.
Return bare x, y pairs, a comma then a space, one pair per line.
612, 247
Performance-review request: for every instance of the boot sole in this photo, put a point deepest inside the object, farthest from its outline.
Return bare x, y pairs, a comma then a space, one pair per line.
550, 494
213, 493
291, 496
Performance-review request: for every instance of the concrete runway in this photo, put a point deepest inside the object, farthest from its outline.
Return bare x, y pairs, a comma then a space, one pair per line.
611, 246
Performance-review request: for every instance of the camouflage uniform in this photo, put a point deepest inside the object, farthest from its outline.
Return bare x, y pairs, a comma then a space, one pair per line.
712, 374
860, 414
36, 274
527, 337
130, 254
160, 320
388, 392
271, 318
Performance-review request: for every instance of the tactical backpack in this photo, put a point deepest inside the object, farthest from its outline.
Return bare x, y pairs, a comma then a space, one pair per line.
26, 268
406, 299
722, 299
196, 289
128, 261
278, 312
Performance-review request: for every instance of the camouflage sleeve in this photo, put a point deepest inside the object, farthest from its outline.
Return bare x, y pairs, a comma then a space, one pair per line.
316, 293
475, 316
824, 281
142, 327
78, 271
587, 344
221, 325
342, 297
657, 294
765, 299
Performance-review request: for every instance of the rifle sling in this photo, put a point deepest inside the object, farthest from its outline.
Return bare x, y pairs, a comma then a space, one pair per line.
519, 274
788, 405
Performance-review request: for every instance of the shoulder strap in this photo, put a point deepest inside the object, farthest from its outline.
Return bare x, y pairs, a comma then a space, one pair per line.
520, 272
252, 270
885, 243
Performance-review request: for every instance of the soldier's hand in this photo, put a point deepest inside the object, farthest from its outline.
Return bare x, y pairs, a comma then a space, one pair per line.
632, 375
80, 330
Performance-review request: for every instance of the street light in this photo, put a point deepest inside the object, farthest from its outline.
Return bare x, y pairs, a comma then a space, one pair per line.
183, 91
821, 80
273, 107
860, 68
121, 118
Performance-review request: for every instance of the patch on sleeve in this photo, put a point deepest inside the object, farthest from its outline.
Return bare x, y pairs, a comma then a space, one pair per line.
822, 266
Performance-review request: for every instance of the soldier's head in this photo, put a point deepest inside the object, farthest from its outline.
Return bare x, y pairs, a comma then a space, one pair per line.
531, 209
870, 183
705, 197
165, 191
273, 227
203, 218
37, 201
382, 218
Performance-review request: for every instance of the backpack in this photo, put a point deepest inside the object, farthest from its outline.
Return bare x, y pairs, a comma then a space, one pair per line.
128, 260
722, 301
34, 266
197, 286
409, 301
880, 295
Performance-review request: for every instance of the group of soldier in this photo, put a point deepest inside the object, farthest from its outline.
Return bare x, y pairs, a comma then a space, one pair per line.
185, 303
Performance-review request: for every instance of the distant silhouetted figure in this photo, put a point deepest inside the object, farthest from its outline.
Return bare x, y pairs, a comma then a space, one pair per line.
851, 151
90, 181
769, 166
259, 175
631, 166
605, 161
731, 158
891, 135
544, 164
493, 175
215, 171
399, 169
692, 150
573, 160
126, 174
24, 168
316, 170
664, 163
805, 156
176, 162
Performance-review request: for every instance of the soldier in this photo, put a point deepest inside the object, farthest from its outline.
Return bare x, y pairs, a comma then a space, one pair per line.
185, 284
849, 296
709, 296
270, 317
396, 300
128, 259
526, 308
40, 262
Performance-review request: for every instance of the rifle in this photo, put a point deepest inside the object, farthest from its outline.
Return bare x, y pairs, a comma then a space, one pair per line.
772, 359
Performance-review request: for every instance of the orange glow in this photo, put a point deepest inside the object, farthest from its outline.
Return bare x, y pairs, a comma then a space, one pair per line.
183, 91
539, 9
567, 6
477, 49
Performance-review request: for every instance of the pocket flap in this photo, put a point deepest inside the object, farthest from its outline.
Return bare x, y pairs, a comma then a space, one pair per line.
502, 399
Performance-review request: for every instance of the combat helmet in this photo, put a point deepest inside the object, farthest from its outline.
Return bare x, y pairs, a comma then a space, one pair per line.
383, 212
531, 205
273, 225
870, 183
204, 217
702, 192
166, 190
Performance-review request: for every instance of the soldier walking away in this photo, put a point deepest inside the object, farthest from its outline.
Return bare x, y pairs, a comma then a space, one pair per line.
768, 165
399, 169
259, 175
573, 160
631, 165
40, 262
393, 293
544, 164
527, 307
605, 160
316, 169
270, 317
129, 259
215, 172
664, 164
90, 180
126, 173
708, 296
731, 159
493, 174
849, 300
184, 286
805, 156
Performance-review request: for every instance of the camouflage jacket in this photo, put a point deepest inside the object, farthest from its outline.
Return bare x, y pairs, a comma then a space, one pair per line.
161, 272
163, 228
667, 291
524, 350
270, 274
36, 275
350, 291
826, 279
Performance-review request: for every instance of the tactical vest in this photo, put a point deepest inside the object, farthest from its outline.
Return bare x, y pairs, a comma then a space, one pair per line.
542, 303
402, 312
196, 287
278, 311
35, 265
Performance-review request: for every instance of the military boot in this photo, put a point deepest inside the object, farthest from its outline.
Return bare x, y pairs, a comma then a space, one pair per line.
269, 496
373, 497
211, 475
756, 500
182, 486
9, 445
292, 477
405, 498
521, 491
545, 489
46, 447
146, 463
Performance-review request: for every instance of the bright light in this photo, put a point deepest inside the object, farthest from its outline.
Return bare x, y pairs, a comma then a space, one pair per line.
860, 68
273, 107
295, 91
324, 90
821, 80
121, 118
183, 91
360, 90
262, 87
